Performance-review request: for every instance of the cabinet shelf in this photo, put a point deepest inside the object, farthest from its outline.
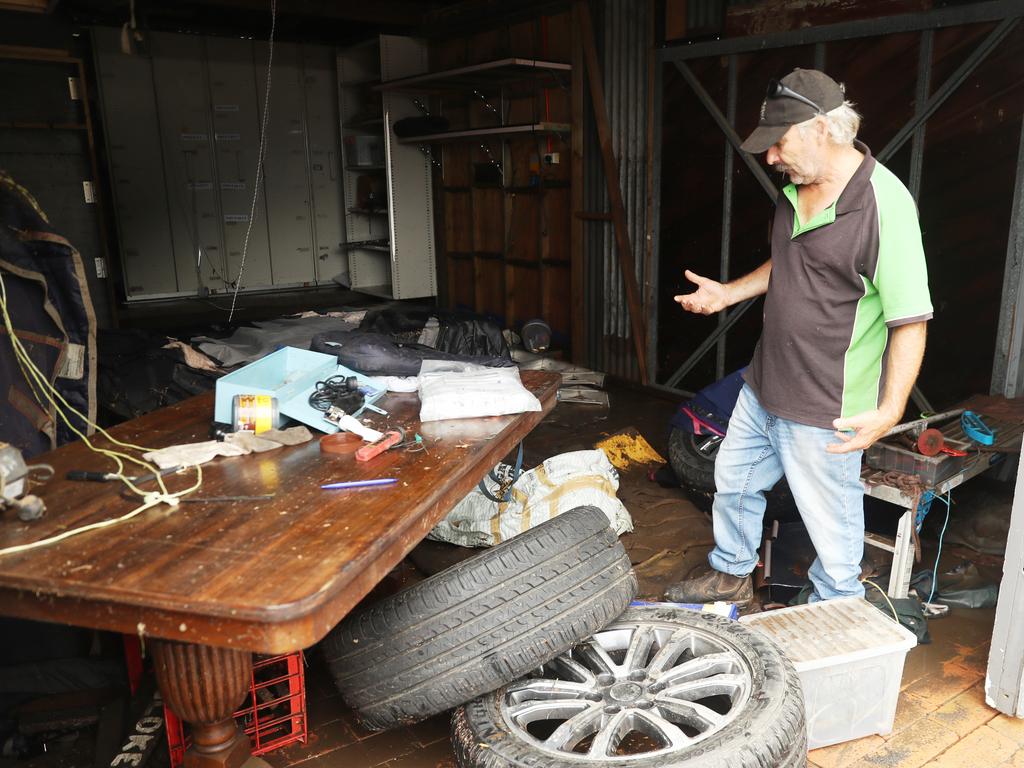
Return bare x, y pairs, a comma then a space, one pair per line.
379, 245
369, 211
501, 72
470, 134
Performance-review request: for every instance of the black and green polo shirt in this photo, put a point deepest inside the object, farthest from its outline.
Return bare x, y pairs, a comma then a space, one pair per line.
838, 284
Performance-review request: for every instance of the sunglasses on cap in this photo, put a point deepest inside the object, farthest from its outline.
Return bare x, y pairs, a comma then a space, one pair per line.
776, 90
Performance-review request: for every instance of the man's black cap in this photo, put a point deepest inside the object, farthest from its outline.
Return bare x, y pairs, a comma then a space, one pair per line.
779, 113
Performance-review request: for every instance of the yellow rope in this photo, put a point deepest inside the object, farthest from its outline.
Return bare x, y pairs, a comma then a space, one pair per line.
891, 606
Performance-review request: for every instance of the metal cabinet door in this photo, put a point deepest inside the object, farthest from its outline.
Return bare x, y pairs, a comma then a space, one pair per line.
324, 144
236, 134
287, 183
183, 103
132, 132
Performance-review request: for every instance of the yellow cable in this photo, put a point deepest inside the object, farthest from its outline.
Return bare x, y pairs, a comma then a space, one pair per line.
891, 606
42, 388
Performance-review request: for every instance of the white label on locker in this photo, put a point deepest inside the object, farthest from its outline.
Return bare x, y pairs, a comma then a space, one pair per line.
227, 136
225, 107
233, 186
236, 218
200, 185
193, 137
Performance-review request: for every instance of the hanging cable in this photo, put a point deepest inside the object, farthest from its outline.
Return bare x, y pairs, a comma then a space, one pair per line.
259, 159
935, 570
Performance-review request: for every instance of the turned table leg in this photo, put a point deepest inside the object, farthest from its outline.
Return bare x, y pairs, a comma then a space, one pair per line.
204, 686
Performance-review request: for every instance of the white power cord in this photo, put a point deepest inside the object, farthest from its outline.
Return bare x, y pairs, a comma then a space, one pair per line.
259, 159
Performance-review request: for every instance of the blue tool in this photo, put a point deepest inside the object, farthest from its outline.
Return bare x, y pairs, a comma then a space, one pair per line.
360, 483
976, 429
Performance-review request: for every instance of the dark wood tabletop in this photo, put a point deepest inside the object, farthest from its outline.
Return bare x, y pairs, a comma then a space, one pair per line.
269, 576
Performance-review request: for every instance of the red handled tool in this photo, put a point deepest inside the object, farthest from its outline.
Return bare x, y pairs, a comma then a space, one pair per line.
391, 438
932, 442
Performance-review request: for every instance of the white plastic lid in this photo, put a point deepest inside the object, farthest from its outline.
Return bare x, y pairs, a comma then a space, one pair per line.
830, 632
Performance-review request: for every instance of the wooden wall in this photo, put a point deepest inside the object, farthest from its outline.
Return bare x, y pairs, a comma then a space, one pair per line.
504, 237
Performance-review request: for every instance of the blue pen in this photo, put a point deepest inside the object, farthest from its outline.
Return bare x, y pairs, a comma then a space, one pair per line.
360, 483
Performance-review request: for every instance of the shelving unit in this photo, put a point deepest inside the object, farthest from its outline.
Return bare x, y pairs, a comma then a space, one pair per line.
471, 134
507, 72
508, 117
390, 249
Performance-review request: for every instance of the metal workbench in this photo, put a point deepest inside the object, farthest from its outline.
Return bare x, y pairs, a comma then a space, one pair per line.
908, 492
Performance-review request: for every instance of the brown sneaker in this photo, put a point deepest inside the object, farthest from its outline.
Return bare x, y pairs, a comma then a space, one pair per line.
712, 586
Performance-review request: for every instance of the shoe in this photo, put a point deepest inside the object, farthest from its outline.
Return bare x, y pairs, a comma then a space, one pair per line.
711, 587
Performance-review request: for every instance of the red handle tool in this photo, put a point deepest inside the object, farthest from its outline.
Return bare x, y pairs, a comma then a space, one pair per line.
390, 439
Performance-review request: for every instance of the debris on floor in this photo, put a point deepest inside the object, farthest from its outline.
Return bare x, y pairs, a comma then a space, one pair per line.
628, 448
579, 385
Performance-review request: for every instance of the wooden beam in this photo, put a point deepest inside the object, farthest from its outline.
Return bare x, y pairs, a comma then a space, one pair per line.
577, 277
611, 173
592, 216
32, 6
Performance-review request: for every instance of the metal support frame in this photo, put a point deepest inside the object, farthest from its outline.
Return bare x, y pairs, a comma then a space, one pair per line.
1008, 13
926, 47
1007, 371
996, 10
723, 270
709, 342
651, 277
726, 127
955, 80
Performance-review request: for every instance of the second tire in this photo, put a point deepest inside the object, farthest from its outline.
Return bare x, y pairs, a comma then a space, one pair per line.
482, 623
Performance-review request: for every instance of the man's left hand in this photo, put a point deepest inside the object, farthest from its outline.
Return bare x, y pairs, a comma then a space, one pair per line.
860, 431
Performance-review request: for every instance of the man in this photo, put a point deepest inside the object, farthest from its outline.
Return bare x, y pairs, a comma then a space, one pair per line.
844, 333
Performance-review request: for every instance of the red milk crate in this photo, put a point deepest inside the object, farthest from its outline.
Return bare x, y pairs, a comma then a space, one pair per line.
274, 713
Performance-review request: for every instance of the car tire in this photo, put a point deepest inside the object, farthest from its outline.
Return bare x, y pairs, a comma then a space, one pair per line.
585, 710
692, 467
481, 623
695, 471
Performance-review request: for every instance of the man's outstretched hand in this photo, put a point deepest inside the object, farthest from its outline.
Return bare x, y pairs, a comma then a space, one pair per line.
860, 431
709, 298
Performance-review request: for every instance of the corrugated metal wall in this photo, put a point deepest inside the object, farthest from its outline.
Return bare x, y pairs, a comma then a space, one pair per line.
623, 40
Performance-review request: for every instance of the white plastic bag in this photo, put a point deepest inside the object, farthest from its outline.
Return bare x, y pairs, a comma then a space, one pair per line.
463, 391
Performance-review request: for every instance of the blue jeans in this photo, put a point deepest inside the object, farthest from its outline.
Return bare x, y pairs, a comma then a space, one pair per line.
759, 448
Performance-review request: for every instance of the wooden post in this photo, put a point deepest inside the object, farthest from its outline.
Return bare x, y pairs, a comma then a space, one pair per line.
204, 686
611, 173
577, 230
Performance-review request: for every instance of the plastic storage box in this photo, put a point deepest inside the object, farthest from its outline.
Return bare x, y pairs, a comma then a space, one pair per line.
850, 660
289, 374
929, 469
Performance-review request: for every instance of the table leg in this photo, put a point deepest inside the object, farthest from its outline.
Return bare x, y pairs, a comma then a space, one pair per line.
903, 557
204, 686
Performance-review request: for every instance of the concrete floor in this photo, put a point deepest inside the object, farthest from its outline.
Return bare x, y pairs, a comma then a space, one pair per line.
942, 719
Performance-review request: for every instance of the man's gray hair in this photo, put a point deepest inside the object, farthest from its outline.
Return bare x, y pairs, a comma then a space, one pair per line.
843, 124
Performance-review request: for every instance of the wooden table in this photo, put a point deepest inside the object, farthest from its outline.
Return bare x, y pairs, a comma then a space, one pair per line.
208, 584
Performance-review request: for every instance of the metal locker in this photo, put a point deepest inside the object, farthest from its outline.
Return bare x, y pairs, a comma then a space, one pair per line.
287, 183
179, 75
323, 141
132, 135
236, 136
